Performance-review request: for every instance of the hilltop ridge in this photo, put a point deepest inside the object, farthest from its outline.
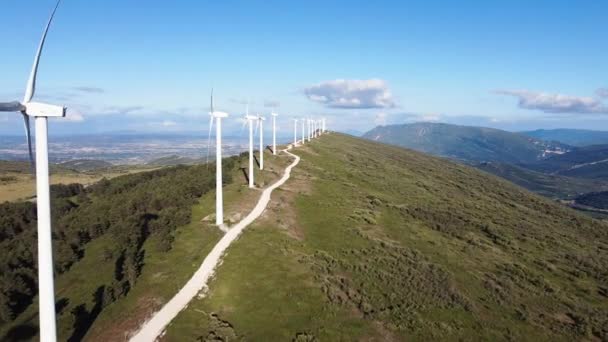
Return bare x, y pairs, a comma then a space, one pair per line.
373, 242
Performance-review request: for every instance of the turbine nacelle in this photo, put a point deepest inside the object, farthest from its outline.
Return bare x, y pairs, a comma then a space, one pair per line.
218, 114
43, 109
250, 117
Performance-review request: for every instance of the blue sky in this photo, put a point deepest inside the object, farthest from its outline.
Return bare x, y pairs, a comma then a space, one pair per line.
148, 66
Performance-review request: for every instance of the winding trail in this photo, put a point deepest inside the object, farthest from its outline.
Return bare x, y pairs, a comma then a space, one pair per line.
154, 327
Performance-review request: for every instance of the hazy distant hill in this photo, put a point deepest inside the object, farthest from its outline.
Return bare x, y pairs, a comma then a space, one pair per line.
174, 160
583, 162
573, 137
595, 199
550, 185
86, 164
466, 142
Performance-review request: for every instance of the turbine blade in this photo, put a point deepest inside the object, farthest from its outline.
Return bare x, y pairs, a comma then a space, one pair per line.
209, 139
257, 123
28, 136
31, 84
11, 107
212, 102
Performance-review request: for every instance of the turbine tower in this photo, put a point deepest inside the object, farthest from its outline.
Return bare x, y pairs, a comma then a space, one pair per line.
295, 132
261, 120
309, 127
303, 120
274, 132
249, 120
219, 200
41, 112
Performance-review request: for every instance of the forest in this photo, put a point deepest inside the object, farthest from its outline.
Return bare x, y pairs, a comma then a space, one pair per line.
129, 209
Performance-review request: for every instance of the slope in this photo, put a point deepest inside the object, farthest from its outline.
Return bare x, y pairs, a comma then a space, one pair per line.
584, 162
552, 186
572, 137
373, 242
465, 142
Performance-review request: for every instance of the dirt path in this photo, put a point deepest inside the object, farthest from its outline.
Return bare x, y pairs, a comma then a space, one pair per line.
154, 327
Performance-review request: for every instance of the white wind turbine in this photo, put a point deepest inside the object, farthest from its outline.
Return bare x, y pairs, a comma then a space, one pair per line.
41, 112
274, 132
308, 127
261, 120
249, 120
219, 200
295, 132
303, 120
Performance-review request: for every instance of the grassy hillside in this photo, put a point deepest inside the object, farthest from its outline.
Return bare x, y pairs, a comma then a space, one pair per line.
572, 137
464, 142
550, 185
376, 243
105, 287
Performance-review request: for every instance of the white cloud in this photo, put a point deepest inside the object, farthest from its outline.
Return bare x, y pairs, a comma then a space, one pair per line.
92, 90
73, 115
359, 94
556, 103
602, 92
168, 123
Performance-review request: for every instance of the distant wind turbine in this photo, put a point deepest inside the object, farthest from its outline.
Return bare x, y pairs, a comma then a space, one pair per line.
303, 120
41, 112
295, 132
219, 200
249, 120
261, 120
274, 132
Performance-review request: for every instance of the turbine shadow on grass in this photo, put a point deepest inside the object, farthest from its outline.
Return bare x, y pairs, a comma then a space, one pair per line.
256, 160
244, 169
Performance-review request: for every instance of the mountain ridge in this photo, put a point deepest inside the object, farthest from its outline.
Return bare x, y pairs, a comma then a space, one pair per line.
468, 143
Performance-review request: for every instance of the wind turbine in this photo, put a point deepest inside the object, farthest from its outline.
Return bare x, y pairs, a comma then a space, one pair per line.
303, 120
249, 120
274, 132
309, 129
219, 200
295, 132
261, 120
41, 112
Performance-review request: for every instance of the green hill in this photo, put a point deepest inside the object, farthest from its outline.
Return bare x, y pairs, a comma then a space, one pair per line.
550, 185
377, 243
174, 160
584, 162
572, 137
465, 142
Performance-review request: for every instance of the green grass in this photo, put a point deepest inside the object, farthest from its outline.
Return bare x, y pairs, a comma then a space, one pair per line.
373, 242
163, 274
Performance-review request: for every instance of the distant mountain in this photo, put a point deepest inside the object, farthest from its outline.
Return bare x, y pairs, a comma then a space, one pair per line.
573, 137
549, 185
466, 142
583, 162
86, 164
